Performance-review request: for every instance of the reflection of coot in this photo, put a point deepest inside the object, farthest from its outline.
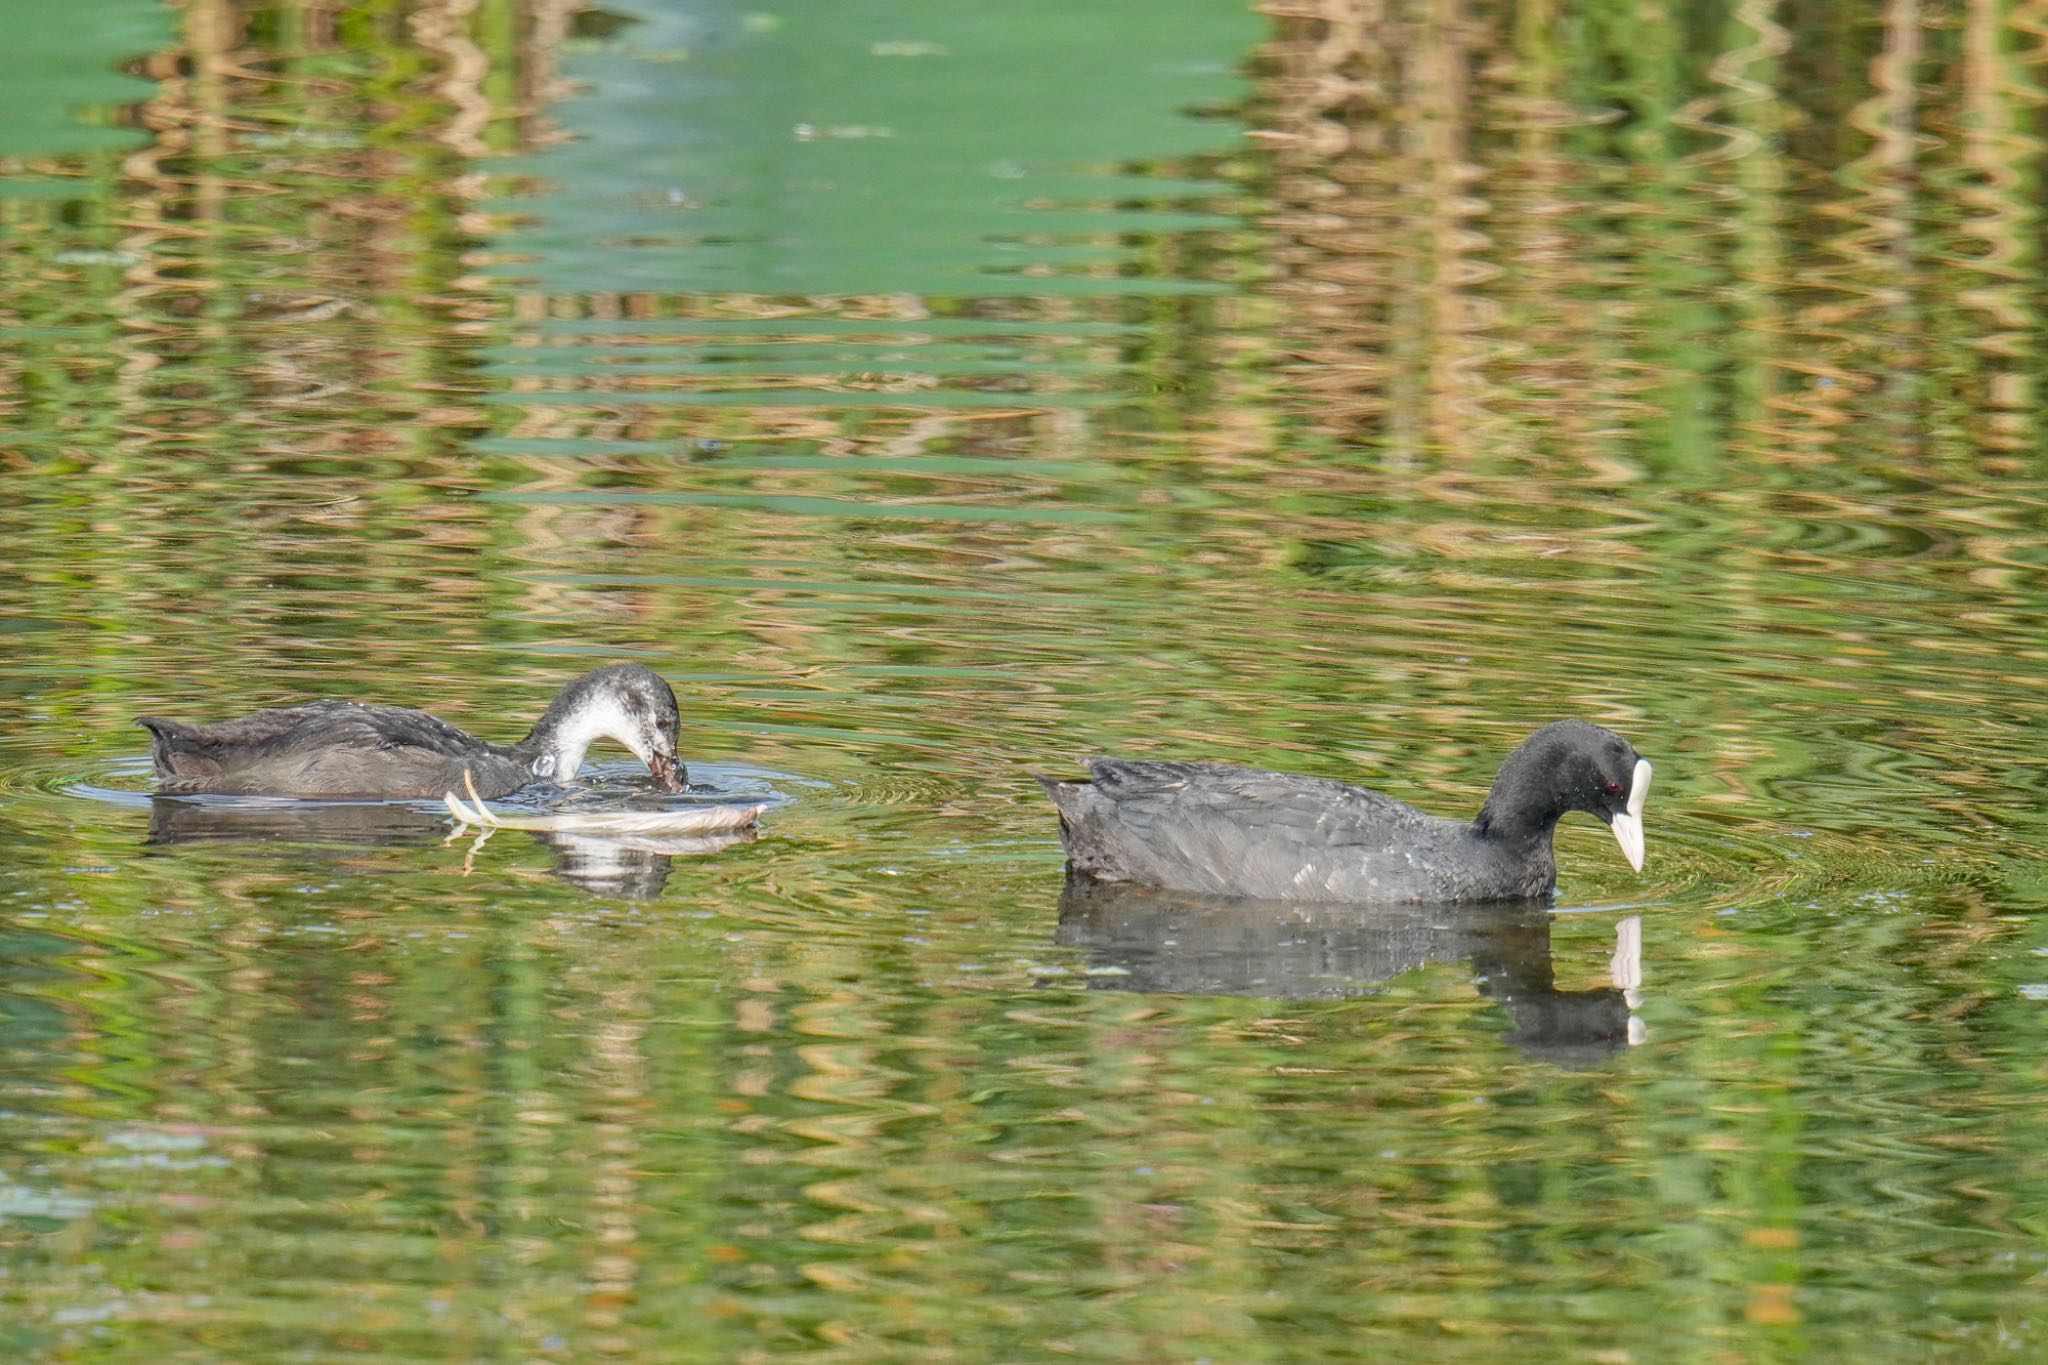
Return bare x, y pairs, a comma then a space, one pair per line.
635, 868
632, 867
173, 821
1177, 944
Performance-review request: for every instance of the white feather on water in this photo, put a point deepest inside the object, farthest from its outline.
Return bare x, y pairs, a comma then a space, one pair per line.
695, 820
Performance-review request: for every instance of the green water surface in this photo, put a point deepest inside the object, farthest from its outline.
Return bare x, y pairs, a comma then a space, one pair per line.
936, 394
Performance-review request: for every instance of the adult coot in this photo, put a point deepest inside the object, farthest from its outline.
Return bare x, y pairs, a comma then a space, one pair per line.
337, 749
1228, 831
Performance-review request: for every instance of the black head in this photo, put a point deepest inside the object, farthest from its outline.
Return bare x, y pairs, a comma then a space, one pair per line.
1567, 766
625, 702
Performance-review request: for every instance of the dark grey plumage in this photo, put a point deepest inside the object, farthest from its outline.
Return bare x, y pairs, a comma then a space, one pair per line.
347, 749
1216, 829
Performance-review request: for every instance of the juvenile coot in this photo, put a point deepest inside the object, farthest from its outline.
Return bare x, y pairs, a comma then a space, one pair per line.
1227, 831
336, 749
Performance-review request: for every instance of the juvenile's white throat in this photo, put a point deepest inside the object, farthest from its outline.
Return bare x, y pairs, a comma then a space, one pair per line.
598, 718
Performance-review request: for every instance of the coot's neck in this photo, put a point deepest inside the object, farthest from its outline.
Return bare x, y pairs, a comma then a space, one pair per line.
1523, 807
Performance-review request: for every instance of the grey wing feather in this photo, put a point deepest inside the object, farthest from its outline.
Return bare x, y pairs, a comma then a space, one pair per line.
1165, 795
331, 724
387, 727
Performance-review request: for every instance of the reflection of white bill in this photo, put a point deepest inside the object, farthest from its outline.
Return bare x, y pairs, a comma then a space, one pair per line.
1626, 967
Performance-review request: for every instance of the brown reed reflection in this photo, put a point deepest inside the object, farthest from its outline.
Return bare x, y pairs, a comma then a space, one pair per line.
290, 344
281, 279
1483, 258
1373, 215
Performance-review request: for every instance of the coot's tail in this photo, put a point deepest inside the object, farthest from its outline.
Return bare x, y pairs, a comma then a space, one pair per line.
1059, 789
1069, 796
1081, 809
177, 752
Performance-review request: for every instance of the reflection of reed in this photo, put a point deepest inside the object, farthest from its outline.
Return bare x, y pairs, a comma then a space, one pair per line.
1433, 235
1867, 321
272, 219
1369, 120
291, 326
1573, 308
1924, 309
1999, 159
621, 1099
441, 30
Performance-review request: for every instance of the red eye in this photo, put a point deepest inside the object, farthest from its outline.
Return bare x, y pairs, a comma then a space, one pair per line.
1613, 787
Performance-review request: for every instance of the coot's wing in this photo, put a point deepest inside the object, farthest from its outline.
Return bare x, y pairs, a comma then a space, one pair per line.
345, 724
351, 724
1244, 832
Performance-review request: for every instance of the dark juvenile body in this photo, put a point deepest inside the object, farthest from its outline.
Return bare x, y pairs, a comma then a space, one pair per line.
347, 749
1215, 829
331, 749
